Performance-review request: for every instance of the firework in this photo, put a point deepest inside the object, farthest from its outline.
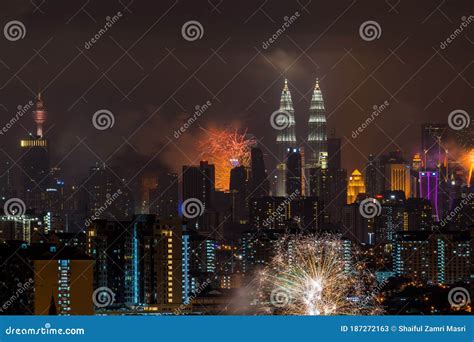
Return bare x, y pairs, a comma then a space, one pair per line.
226, 149
312, 275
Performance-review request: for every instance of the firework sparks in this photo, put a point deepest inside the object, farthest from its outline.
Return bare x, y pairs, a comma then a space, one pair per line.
226, 149
312, 276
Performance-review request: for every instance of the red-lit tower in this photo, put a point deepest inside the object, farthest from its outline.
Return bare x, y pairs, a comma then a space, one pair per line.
39, 115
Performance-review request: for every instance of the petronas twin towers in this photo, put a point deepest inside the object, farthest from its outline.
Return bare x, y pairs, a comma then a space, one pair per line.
316, 150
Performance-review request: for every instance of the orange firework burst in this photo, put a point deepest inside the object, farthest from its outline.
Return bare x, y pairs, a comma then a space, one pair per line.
226, 149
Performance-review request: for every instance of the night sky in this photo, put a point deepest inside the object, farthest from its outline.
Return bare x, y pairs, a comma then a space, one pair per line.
149, 76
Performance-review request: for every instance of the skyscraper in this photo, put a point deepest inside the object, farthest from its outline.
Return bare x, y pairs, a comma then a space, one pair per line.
108, 195
429, 190
199, 182
238, 189
286, 138
317, 135
259, 178
334, 154
371, 176
63, 282
164, 199
398, 178
355, 186
293, 172
35, 162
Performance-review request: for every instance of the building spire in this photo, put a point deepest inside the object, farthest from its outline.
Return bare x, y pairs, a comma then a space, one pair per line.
316, 87
39, 115
317, 135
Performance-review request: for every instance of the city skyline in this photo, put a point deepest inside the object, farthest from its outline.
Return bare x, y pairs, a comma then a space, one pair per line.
296, 159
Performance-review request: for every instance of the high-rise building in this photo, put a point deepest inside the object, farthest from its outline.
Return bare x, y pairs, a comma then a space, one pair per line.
355, 226
428, 181
198, 262
418, 215
164, 199
391, 217
286, 138
334, 154
355, 186
268, 212
317, 135
63, 282
108, 195
199, 182
259, 179
371, 176
398, 177
294, 172
139, 260
35, 163
239, 191
441, 258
